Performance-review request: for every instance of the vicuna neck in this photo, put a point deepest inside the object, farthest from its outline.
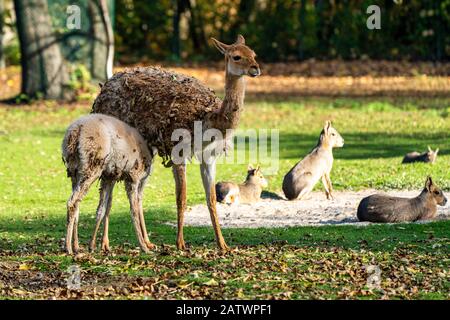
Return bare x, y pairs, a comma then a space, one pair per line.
229, 114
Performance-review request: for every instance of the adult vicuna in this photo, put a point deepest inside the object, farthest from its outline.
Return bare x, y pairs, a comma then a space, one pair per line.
384, 208
157, 102
101, 147
302, 178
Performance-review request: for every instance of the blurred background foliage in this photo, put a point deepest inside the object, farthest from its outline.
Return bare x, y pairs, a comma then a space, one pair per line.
283, 30
278, 30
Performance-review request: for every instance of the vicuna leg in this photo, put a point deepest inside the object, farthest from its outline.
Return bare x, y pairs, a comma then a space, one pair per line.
141, 215
208, 172
133, 197
80, 188
105, 237
104, 205
179, 174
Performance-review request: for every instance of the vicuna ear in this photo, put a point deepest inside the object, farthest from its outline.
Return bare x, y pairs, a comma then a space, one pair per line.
428, 183
436, 152
250, 167
429, 149
222, 47
240, 39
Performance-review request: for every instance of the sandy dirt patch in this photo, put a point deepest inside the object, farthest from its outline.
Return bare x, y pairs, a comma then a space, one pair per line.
275, 211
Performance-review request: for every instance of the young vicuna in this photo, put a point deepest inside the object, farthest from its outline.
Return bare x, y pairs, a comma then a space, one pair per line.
302, 178
383, 208
427, 157
247, 192
101, 147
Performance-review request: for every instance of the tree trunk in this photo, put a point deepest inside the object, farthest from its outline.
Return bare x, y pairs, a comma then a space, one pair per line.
246, 8
101, 59
197, 44
301, 33
321, 8
107, 24
178, 7
43, 67
2, 32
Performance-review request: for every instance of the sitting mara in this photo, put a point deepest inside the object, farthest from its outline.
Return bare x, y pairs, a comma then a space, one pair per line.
383, 208
429, 156
302, 178
102, 147
247, 192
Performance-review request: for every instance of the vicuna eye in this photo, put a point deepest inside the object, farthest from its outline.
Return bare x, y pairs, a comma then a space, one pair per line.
237, 58
437, 193
333, 134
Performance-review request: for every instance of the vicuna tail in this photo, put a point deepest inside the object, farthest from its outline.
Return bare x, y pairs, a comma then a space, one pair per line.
70, 149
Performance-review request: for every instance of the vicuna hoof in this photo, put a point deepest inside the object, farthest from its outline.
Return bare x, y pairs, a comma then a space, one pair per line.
181, 245
150, 245
105, 247
223, 247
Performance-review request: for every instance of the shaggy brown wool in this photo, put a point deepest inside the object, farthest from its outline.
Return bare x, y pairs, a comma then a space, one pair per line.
156, 102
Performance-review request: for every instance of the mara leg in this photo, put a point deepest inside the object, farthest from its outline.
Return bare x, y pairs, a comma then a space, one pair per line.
179, 174
141, 214
106, 188
208, 172
304, 193
133, 197
80, 188
330, 185
325, 185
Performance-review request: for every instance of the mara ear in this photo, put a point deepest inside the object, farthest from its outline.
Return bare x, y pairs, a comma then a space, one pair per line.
327, 126
429, 149
250, 167
436, 152
240, 39
222, 47
429, 183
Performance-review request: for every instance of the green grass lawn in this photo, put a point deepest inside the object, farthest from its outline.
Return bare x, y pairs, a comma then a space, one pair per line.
302, 262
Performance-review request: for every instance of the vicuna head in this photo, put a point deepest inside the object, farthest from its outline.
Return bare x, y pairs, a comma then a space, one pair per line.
431, 155
436, 194
240, 59
330, 136
255, 176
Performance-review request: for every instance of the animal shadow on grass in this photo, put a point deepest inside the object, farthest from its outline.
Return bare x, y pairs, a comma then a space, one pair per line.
362, 145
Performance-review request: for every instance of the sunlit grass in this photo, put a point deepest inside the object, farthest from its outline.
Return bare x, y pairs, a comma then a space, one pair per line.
34, 187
